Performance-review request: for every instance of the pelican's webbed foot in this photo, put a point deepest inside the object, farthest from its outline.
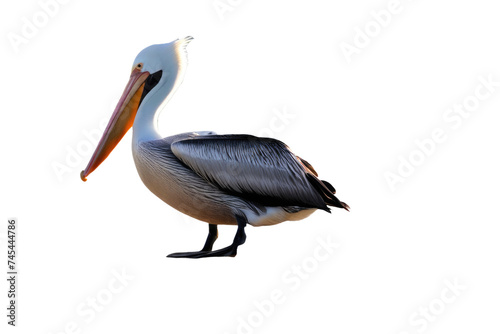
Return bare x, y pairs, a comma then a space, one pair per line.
239, 239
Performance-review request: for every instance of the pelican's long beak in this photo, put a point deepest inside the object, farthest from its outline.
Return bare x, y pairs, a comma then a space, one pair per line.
121, 121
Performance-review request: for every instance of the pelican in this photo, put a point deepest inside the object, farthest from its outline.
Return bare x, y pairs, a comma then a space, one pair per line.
218, 179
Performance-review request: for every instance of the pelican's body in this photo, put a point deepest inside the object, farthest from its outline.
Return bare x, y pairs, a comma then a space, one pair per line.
181, 188
229, 179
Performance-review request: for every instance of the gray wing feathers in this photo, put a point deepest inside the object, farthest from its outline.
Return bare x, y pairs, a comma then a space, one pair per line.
259, 168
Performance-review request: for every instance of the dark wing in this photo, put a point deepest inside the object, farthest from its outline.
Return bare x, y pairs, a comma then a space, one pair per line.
261, 169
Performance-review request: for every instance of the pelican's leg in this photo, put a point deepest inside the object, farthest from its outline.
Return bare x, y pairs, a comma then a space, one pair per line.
239, 239
212, 236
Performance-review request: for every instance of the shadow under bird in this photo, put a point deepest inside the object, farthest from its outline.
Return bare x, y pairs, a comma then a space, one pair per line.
219, 179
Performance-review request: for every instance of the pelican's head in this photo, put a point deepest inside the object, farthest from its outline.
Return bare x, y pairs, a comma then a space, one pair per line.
155, 73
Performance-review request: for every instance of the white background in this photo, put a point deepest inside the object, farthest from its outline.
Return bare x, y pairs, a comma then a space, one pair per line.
351, 120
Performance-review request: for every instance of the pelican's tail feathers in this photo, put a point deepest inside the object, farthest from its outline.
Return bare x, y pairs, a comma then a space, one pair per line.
327, 192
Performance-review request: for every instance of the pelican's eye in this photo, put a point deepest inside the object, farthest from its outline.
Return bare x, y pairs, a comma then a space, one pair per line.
139, 66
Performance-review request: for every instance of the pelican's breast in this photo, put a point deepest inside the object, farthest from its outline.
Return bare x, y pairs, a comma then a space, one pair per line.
180, 187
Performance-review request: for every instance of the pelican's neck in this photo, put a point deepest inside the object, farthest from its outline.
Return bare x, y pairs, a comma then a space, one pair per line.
146, 121
173, 65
